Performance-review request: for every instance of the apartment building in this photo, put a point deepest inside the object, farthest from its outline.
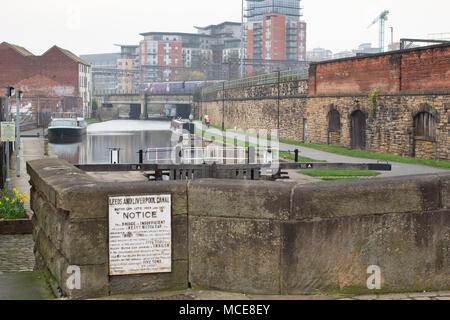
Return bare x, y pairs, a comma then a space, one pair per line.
274, 32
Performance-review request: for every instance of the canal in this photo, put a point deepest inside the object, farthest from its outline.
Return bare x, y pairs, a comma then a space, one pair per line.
129, 136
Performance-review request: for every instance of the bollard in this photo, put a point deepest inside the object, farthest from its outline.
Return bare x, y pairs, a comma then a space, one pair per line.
141, 156
296, 155
251, 155
114, 155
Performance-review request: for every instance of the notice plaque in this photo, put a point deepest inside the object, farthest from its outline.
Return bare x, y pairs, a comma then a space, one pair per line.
140, 234
8, 131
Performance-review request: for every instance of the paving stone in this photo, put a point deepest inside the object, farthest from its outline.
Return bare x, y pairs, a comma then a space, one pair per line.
394, 296
424, 294
16, 253
367, 297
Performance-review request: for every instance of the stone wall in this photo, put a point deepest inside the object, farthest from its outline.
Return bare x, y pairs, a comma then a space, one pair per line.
389, 123
71, 229
257, 107
252, 236
407, 82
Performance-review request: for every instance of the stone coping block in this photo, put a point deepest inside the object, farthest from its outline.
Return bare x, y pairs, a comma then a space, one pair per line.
74, 191
410, 249
52, 175
368, 197
240, 199
234, 254
129, 284
445, 191
16, 226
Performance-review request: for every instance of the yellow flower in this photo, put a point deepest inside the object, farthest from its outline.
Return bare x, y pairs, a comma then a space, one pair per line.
7, 199
24, 193
15, 190
14, 200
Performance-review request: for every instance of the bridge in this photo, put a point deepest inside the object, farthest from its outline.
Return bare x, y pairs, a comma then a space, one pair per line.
139, 100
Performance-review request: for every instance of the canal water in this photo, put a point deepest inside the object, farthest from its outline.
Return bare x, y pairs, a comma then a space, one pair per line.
129, 136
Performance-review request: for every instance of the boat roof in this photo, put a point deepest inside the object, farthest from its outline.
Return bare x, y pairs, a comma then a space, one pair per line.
65, 115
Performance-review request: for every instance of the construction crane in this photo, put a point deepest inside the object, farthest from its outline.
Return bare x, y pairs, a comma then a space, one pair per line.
382, 18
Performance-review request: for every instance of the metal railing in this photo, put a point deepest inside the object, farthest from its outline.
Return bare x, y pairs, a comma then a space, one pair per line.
116, 92
209, 155
270, 78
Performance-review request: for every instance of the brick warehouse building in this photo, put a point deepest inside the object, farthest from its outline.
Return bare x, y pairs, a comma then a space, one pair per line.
57, 80
395, 102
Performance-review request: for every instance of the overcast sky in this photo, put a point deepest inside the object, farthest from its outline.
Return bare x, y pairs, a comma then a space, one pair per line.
94, 26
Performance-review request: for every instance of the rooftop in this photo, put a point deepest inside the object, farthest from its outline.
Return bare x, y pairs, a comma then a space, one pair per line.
19, 49
219, 25
176, 34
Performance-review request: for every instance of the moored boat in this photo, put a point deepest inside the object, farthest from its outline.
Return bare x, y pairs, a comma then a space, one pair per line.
66, 127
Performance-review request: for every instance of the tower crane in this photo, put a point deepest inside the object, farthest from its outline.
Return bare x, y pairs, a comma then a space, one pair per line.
382, 18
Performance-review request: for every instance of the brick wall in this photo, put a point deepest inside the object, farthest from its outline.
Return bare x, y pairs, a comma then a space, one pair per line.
14, 67
419, 69
57, 66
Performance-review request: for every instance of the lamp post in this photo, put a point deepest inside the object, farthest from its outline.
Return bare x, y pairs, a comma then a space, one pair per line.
223, 106
9, 93
19, 96
242, 40
278, 100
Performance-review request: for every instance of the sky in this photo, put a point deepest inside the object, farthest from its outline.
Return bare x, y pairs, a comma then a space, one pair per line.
94, 26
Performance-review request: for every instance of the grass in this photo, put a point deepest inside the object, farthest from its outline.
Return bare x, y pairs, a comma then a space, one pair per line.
340, 179
291, 156
91, 121
340, 173
370, 155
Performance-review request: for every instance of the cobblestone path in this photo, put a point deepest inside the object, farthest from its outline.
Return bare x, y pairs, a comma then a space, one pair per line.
16, 253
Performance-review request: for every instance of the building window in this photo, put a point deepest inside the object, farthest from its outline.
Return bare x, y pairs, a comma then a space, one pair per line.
425, 125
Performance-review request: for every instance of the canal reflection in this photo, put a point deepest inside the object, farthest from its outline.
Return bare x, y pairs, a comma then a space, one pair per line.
128, 135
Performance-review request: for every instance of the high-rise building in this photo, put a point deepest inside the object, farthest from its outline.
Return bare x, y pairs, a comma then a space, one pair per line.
274, 32
103, 62
226, 49
161, 54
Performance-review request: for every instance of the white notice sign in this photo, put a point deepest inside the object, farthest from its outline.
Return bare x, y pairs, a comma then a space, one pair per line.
8, 131
140, 234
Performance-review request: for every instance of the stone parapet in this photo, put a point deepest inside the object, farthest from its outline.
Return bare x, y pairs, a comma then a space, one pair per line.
251, 236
